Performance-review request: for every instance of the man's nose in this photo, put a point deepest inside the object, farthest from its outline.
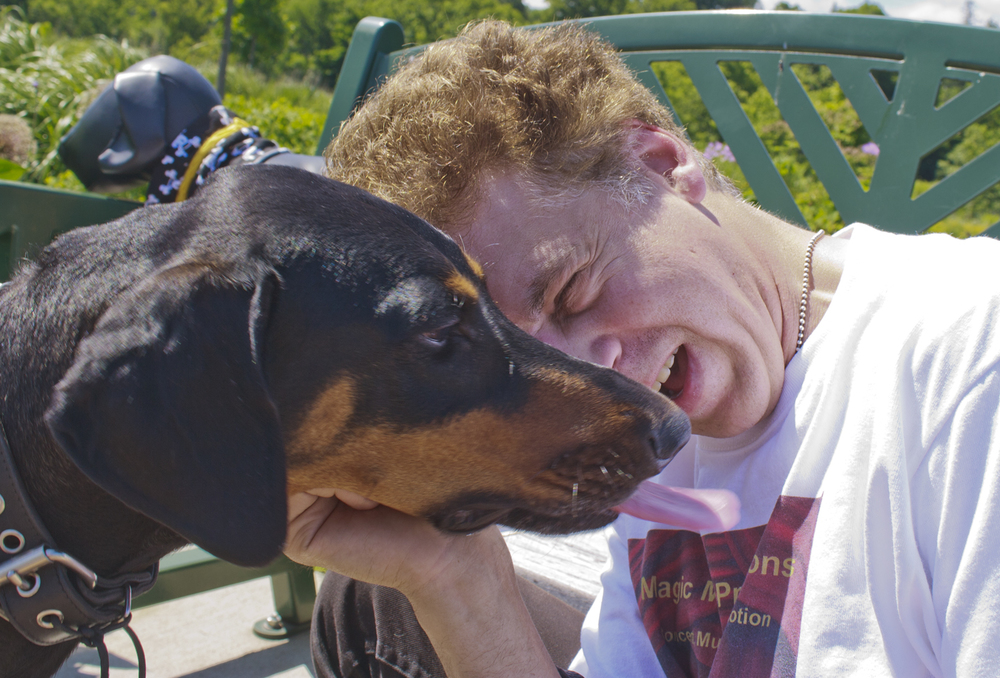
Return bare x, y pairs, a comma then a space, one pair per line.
602, 350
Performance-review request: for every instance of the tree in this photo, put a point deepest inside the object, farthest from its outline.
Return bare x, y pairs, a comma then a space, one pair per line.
865, 8
259, 32
82, 18
637, 6
725, 4
574, 9
320, 30
166, 26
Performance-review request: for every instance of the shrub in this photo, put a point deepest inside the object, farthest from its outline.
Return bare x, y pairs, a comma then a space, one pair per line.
49, 82
17, 144
296, 128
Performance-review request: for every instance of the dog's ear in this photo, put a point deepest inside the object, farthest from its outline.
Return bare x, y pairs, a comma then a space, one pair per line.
166, 408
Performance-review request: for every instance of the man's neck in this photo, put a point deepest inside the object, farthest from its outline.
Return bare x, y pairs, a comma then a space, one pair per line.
781, 248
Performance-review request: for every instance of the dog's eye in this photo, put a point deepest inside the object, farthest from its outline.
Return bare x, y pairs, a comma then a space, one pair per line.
438, 337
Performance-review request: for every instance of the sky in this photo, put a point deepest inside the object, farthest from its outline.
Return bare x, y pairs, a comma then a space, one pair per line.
949, 11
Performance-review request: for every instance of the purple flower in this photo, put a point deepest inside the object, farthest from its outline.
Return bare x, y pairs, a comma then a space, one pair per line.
871, 148
717, 149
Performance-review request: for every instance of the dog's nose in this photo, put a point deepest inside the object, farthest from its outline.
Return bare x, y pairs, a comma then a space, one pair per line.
669, 436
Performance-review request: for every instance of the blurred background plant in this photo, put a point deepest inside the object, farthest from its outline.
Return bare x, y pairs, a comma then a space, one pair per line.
47, 80
17, 146
285, 55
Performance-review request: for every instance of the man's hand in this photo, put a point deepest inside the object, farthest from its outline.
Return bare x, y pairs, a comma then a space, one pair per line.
462, 587
356, 537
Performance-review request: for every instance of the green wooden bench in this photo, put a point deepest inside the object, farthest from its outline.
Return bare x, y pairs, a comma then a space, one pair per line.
860, 51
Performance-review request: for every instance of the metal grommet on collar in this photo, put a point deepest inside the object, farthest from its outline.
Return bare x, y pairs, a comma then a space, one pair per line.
45, 613
31, 590
11, 541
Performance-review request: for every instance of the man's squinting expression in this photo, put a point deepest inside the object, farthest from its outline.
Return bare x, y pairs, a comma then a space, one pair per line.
658, 292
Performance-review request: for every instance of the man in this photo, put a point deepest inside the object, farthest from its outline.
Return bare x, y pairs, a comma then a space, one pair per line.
845, 388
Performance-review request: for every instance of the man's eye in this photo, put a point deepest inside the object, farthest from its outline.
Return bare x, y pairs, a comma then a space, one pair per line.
570, 299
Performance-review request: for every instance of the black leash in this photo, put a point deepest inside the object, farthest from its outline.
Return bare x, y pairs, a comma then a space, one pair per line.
93, 636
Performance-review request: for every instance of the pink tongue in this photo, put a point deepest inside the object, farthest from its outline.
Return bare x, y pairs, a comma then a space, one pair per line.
688, 509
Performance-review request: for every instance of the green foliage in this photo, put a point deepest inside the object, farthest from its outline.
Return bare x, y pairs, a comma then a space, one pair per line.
241, 80
572, 9
49, 82
295, 128
864, 8
164, 26
10, 171
726, 4
320, 30
259, 33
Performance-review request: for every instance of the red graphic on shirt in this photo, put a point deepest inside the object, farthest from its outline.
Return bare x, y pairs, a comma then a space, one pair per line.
726, 604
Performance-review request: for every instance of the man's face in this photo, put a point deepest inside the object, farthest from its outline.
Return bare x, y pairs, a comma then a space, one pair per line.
660, 293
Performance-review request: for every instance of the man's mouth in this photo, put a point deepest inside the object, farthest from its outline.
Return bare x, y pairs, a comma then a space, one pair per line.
673, 373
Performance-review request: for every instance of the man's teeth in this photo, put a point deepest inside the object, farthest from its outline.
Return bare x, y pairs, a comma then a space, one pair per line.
664, 374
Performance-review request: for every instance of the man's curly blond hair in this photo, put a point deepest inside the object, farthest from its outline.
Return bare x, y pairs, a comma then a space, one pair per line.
551, 106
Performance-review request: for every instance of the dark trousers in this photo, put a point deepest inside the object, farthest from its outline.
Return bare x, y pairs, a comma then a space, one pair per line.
365, 631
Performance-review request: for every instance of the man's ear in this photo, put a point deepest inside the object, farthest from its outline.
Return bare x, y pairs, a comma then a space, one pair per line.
669, 156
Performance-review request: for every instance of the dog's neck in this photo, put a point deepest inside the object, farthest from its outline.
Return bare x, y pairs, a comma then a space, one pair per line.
83, 520
107, 544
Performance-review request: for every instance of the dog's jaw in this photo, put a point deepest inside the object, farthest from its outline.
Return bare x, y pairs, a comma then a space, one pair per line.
579, 517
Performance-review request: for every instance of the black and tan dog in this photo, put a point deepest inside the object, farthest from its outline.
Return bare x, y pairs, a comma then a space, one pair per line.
172, 376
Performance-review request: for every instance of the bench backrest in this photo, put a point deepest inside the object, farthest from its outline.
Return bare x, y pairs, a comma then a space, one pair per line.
31, 216
907, 123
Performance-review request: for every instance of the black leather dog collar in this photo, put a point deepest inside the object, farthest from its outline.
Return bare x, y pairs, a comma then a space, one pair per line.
47, 595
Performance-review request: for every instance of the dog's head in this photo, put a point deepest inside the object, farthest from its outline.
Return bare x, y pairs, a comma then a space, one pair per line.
303, 334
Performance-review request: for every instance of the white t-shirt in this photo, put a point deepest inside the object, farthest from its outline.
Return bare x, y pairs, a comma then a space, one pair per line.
869, 543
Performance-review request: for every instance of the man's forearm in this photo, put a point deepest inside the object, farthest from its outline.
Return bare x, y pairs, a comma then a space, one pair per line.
479, 624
